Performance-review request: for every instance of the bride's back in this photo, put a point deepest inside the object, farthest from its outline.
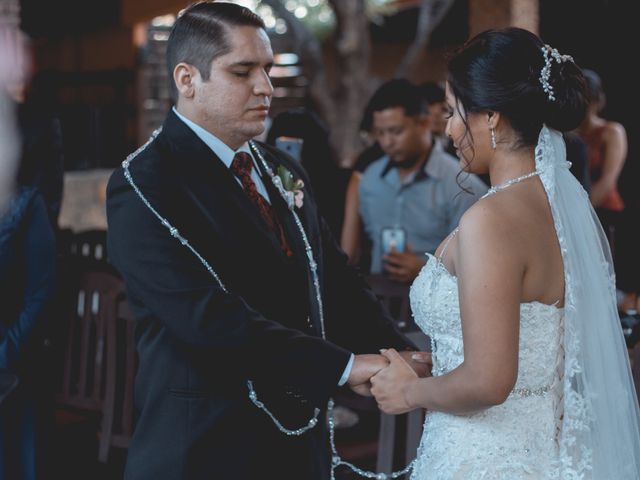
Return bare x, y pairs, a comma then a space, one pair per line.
525, 210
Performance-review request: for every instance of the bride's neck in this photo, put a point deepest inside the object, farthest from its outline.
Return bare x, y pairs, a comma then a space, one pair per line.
507, 165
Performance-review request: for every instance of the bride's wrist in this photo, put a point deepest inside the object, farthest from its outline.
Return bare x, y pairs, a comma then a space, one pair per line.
409, 393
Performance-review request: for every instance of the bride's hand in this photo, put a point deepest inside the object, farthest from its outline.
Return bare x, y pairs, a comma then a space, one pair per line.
389, 385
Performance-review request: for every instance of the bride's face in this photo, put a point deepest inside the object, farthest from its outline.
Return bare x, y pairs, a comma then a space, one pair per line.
470, 134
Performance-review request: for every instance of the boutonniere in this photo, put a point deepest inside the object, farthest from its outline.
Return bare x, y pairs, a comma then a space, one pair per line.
291, 187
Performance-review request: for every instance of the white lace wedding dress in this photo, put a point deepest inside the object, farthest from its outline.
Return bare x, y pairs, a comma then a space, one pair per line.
573, 413
515, 440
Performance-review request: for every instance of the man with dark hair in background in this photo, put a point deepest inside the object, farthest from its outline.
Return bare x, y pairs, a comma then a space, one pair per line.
415, 190
434, 95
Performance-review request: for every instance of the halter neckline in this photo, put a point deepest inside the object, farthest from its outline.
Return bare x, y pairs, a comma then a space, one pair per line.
510, 182
490, 192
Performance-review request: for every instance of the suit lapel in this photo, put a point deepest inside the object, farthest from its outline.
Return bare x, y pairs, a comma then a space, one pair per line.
214, 190
213, 187
293, 234
283, 212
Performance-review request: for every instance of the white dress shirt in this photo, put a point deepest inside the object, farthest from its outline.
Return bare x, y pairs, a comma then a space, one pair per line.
226, 153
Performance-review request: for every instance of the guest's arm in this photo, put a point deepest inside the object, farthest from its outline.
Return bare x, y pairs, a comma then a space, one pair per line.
615, 154
38, 257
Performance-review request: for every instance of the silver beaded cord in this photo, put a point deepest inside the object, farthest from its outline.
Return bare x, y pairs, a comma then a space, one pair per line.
336, 460
312, 263
253, 396
510, 182
172, 230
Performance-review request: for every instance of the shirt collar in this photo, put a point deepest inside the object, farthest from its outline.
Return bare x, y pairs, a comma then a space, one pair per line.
429, 169
221, 149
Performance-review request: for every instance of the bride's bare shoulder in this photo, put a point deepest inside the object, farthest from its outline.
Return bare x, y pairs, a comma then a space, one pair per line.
494, 223
486, 214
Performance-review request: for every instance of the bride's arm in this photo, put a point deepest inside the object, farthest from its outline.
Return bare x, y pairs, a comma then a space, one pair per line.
489, 262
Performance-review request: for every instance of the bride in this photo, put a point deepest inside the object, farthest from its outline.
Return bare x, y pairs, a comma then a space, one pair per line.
530, 374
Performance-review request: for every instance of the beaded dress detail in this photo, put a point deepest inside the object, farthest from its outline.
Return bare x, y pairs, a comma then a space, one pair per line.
515, 440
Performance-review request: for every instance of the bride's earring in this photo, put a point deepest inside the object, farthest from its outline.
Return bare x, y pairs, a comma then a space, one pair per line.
494, 143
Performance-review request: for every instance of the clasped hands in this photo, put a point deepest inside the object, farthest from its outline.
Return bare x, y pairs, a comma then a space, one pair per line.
387, 376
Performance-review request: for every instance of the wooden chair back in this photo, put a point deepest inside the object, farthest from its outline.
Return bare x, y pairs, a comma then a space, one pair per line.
88, 360
394, 296
85, 368
123, 362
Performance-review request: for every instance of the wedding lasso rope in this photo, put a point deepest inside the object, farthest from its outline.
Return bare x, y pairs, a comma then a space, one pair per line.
336, 460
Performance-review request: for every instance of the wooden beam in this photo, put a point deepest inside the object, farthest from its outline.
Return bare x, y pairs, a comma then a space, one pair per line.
103, 50
487, 14
136, 11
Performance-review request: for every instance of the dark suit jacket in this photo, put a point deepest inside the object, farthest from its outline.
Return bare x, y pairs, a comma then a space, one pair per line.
198, 345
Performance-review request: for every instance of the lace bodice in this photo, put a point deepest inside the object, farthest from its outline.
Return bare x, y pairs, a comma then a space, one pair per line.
515, 440
434, 301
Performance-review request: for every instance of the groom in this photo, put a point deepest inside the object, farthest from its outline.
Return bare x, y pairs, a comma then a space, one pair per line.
199, 339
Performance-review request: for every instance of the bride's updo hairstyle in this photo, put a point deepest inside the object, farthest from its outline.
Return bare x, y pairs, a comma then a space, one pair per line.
504, 71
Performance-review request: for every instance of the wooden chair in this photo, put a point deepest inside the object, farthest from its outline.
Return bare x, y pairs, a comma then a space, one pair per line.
122, 361
87, 368
395, 298
414, 423
90, 244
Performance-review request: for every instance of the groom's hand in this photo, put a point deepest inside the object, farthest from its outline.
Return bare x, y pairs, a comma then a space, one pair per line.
421, 362
365, 367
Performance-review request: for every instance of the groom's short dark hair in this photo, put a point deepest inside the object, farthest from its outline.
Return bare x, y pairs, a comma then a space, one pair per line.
199, 35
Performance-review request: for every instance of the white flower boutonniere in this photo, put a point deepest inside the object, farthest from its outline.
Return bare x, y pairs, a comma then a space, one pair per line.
291, 187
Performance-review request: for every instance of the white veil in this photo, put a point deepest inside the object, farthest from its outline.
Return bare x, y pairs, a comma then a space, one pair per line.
598, 416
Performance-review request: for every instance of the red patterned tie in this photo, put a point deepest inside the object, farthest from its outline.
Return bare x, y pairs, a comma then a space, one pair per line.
241, 166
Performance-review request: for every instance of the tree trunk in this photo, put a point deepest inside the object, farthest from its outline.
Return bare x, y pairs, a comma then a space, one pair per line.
309, 51
353, 47
431, 14
342, 105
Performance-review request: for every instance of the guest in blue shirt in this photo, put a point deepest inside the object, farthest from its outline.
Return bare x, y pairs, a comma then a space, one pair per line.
416, 187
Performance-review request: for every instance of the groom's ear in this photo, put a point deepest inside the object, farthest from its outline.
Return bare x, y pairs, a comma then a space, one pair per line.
184, 76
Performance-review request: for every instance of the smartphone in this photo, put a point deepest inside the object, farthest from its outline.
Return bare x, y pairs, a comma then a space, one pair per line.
394, 237
290, 145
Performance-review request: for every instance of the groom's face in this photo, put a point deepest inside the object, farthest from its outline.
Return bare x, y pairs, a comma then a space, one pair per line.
234, 102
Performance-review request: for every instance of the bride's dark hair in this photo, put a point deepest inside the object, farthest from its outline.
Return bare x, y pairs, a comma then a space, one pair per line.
499, 70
